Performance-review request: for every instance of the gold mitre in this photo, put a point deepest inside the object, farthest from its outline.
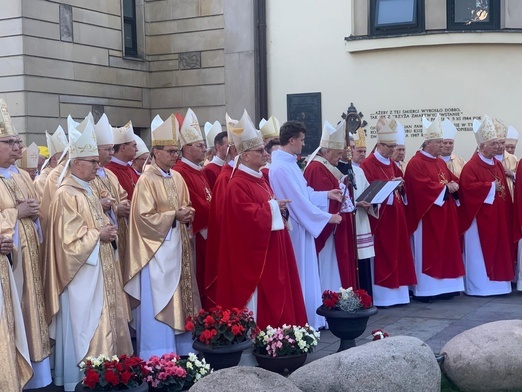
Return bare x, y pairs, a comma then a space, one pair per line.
359, 138
245, 135
269, 129
401, 134
432, 130
449, 130
123, 134
29, 158
190, 131
231, 123
332, 137
211, 131
167, 133
6, 125
141, 147
512, 135
500, 128
85, 145
57, 142
486, 131
387, 130
103, 131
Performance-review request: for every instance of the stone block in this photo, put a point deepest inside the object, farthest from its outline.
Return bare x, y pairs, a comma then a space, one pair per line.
185, 42
76, 111
163, 98
43, 29
163, 65
11, 9
47, 48
41, 10
97, 18
240, 82
203, 95
66, 23
10, 27
43, 104
102, 6
49, 67
189, 60
16, 101
12, 45
195, 77
12, 65
171, 9
120, 116
78, 99
213, 58
12, 83
239, 31
128, 63
185, 25
211, 7
97, 36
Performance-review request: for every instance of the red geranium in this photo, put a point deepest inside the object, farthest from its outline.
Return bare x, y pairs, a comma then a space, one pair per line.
113, 373
347, 300
221, 327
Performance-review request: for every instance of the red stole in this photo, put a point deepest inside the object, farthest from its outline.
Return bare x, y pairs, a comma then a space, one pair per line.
126, 175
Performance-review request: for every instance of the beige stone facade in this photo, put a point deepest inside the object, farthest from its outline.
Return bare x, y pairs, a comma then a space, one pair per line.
67, 57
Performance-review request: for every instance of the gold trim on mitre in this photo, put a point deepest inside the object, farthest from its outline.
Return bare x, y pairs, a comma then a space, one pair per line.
190, 131
211, 131
359, 138
486, 131
123, 134
57, 142
6, 124
29, 158
333, 137
500, 128
166, 134
85, 145
432, 130
245, 135
230, 123
387, 130
269, 129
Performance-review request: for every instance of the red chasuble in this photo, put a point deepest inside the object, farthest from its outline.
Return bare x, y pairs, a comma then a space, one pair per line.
200, 198
441, 252
265, 172
257, 257
319, 178
494, 221
215, 219
211, 172
393, 259
127, 177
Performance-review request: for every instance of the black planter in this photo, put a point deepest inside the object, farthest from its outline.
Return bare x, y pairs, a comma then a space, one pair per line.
144, 387
282, 365
347, 326
224, 356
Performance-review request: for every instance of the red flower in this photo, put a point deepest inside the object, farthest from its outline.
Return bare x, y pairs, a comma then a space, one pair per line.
125, 377
91, 378
364, 297
330, 299
189, 325
112, 378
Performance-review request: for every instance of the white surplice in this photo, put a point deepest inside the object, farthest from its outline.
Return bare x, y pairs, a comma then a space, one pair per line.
307, 220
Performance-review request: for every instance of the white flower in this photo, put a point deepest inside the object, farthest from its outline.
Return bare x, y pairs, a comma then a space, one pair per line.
189, 365
192, 357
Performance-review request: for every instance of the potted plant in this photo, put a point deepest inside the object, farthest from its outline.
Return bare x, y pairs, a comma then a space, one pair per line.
347, 312
170, 373
284, 349
116, 373
221, 335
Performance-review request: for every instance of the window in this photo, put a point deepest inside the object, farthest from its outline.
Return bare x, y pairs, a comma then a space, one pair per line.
388, 17
129, 28
473, 14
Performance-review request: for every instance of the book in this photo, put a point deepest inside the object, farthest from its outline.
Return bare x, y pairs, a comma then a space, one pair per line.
378, 191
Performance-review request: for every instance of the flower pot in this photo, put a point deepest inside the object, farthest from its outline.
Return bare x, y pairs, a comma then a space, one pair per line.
347, 325
223, 356
144, 387
283, 365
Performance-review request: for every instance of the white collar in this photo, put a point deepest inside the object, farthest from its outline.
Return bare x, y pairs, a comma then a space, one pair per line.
446, 158
247, 170
192, 165
101, 173
489, 161
217, 161
5, 172
119, 162
427, 154
381, 159
84, 184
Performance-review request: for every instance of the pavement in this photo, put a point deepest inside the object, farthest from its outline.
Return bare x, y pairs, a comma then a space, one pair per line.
434, 323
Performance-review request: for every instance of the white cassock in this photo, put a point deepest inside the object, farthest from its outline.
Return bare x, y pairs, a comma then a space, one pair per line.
307, 220
365, 249
476, 281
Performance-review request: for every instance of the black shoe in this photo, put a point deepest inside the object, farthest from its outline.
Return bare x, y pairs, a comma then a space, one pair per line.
445, 296
425, 300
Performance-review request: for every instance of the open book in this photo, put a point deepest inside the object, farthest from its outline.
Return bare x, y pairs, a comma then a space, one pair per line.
378, 191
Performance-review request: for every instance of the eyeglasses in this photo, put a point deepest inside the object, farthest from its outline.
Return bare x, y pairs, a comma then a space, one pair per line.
93, 162
106, 149
171, 152
199, 145
259, 150
12, 142
389, 145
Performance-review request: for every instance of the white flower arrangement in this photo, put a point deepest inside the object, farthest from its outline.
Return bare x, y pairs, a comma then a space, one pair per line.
286, 340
